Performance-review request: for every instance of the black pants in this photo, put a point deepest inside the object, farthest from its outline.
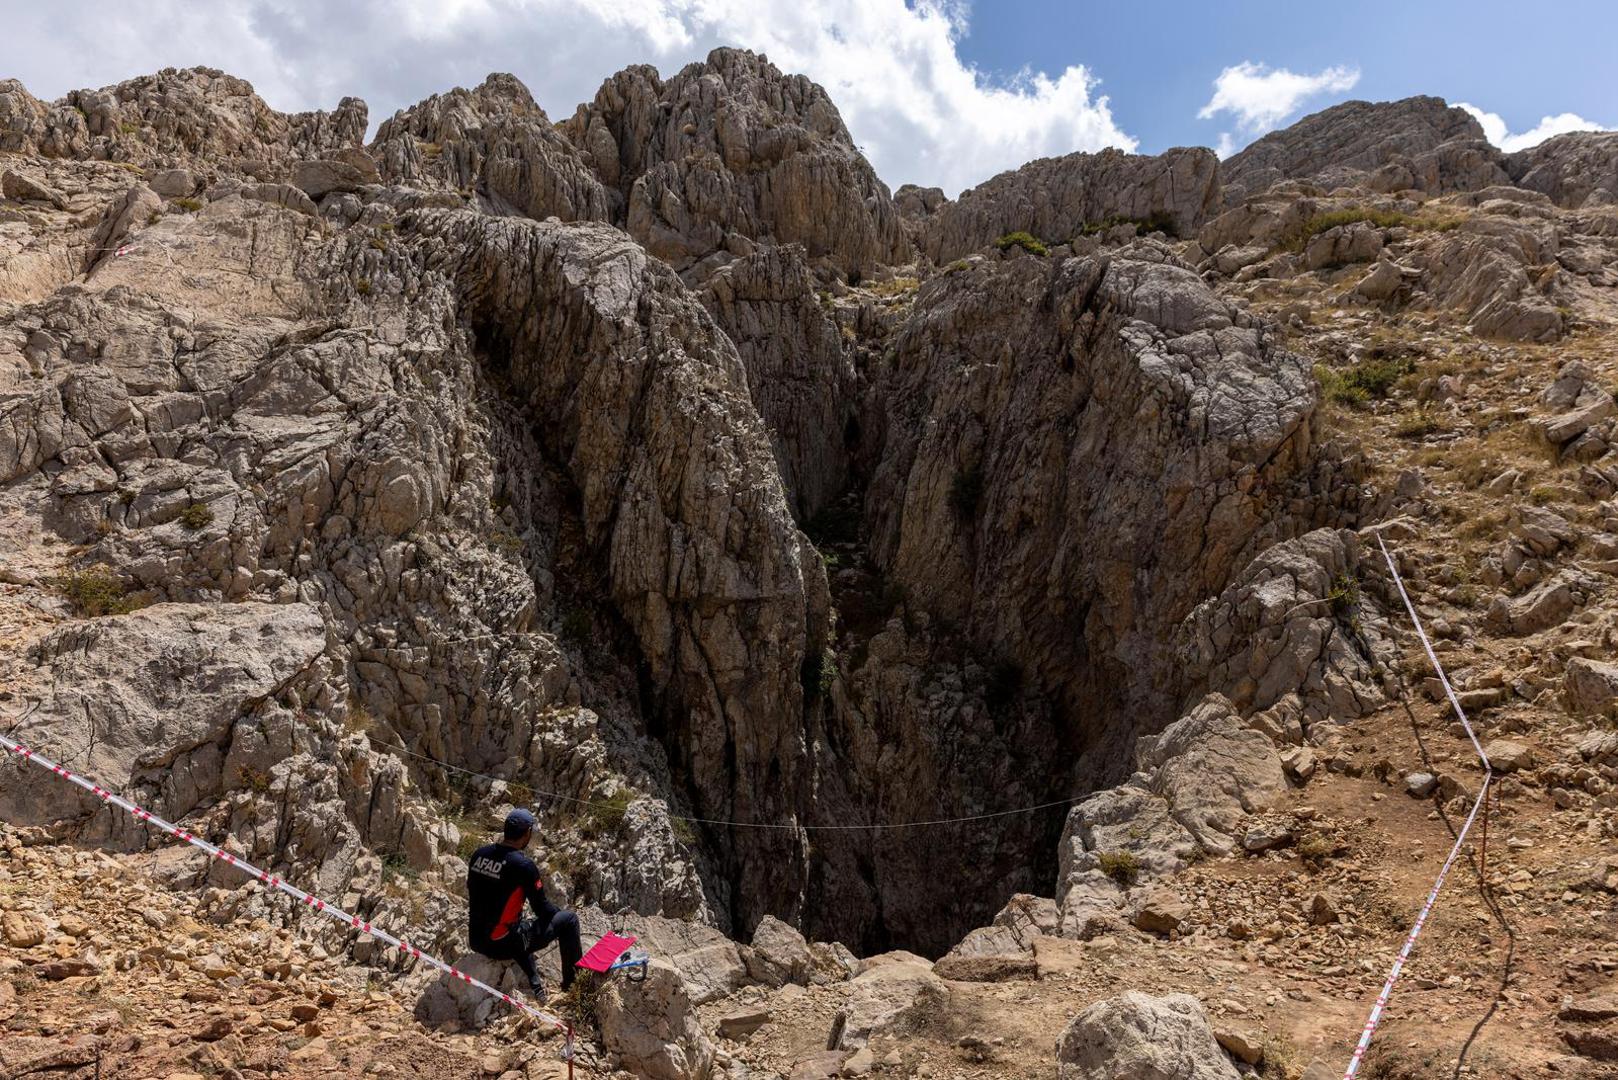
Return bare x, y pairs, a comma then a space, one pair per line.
531, 935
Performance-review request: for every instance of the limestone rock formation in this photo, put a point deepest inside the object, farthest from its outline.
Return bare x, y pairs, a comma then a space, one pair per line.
651, 1029
1145, 1037
493, 142
798, 374
1295, 620
1576, 170
1057, 199
450, 1002
886, 998
731, 150
195, 116
1428, 145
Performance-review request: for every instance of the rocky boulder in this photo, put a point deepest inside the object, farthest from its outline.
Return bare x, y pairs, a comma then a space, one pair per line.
779, 954
886, 999
651, 1029
448, 1001
1142, 1037
1213, 770
1590, 687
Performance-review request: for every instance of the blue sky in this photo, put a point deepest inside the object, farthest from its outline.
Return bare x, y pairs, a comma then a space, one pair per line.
937, 92
1156, 61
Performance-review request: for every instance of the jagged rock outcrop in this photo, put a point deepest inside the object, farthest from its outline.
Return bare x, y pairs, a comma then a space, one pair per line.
1295, 620
1136, 410
730, 150
1144, 1038
651, 1029
633, 388
800, 378
1057, 199
495, 142
1576, 170
197, 116
1197, 782
1417, 142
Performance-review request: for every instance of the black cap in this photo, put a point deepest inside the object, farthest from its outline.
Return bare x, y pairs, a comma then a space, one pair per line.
519, 823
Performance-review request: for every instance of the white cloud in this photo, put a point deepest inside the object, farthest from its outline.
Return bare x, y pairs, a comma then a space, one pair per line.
1259, 97
1494, 128
921, 114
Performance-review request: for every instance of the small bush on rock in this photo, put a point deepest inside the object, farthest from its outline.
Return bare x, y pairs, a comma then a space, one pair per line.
97, 591
1121, 866
1031, 244
197, 516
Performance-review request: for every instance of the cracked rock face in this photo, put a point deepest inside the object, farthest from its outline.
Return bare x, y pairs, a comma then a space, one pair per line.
731, 147
491, 443
1422, 140
1055, 199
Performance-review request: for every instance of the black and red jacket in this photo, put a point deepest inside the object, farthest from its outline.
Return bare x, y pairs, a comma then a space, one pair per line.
498, 880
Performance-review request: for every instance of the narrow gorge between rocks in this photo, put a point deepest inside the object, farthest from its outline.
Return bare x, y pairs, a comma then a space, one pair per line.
658, 469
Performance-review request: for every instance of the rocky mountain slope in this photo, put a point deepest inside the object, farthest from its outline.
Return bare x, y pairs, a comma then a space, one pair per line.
659, 470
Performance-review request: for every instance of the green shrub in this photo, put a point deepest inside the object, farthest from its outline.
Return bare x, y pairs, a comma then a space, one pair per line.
1031, 244
255, 779
1315, 848
189, 205
362, 286
1299, 238
606, 816
97, 591
957, 266
395, 865
1157, 221
1344, 596
197, 516
1357, 384
1121, 866
378, 243
966, 493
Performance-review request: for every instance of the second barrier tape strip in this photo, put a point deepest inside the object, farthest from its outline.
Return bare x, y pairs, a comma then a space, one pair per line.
309, 900
1460, 839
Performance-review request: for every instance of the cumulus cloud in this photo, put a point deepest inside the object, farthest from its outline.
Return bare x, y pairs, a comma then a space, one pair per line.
920, 112
1259, 97
1494, 128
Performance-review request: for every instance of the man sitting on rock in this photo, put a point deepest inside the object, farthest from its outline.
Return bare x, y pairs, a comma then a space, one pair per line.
499, 879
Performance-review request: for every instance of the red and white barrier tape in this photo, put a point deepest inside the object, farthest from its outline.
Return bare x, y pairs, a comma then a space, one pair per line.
308, 900
1460, 839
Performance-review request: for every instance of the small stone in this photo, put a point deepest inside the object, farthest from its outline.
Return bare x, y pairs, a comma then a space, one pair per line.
21, 931
1299, 762
1322, 910
1161, 911
1507, 756
738, 1026
1241, 1045
1420, 785
860, 1063
304, 1011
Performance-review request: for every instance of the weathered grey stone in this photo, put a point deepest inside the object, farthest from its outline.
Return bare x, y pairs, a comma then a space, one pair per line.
1056, 199
652, 1028
1144, 1038
887, 999
1590, 687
